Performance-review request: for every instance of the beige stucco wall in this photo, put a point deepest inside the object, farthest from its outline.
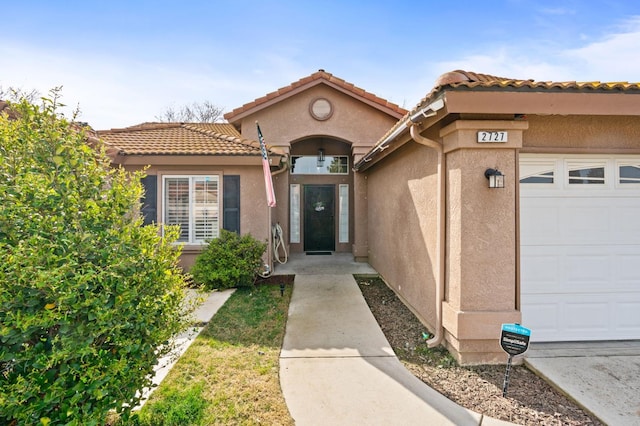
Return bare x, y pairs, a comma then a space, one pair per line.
402, 228
588, 133
289, 120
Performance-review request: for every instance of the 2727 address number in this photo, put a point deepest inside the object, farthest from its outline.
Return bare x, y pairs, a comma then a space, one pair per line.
494, 136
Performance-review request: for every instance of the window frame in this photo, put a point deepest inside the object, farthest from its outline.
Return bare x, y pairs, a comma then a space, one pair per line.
314, 159
631, 162
192, 207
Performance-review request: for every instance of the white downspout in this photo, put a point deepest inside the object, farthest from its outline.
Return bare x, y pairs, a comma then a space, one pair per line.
441, 243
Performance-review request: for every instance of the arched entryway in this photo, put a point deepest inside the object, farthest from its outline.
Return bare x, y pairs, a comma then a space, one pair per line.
321, 195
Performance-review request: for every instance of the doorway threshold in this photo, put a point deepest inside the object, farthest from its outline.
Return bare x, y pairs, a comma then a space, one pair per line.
318, 253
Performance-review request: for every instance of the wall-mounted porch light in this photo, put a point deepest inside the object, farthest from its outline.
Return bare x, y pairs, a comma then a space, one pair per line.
320, 157
495, 177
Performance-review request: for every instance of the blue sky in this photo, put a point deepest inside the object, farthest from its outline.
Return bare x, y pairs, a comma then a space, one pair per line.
125, 62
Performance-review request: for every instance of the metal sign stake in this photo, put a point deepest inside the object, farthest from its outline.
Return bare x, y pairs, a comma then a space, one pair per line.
505, 385
514, 340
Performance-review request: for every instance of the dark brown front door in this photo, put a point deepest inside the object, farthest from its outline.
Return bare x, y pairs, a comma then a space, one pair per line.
319, 218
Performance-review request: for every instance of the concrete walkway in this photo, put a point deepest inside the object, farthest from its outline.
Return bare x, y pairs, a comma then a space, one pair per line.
337, 368
602, 377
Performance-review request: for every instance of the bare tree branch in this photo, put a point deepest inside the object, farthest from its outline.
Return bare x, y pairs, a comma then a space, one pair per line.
15, 94
204, 112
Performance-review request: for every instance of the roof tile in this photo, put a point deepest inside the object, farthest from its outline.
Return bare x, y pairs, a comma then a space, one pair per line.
466, 80
318, 75
179, 139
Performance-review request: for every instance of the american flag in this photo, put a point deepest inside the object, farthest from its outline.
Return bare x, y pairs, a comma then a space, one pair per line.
268, 182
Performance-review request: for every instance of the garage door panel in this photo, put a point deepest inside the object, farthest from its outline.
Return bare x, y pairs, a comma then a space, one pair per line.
546, 316
580, 255
586, 315
627, 267
585, 269
626, 317
584, 224
541, 271
626, 221
537, 209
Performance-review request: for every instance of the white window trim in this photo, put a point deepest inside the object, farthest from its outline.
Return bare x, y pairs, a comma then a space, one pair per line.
216, 206
323, 174
544, 165
578, 164
343, 213
294, 213
561, 186
626, 162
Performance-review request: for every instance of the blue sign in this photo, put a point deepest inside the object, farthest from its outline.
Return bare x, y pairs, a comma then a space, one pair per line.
514, 339
516, 328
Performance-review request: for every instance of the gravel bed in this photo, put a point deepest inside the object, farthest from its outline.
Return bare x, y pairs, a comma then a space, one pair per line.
530, 400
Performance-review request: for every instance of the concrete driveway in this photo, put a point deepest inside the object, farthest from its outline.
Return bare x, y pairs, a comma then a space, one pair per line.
602, 377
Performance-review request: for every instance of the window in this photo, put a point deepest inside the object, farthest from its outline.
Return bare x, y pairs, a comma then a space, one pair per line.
586, 173
309, 165
192, 203
343, 213
537, 171
629, 173
294, 218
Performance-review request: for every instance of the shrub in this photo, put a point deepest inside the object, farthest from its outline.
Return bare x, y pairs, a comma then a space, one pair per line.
88, 296
229, 261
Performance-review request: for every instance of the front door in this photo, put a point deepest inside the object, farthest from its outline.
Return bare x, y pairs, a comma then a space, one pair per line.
319, 218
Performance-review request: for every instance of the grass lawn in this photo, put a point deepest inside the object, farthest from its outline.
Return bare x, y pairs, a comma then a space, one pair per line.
229, 375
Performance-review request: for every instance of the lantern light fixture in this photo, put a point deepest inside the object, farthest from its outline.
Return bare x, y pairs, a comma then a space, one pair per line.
495, 178
320, 157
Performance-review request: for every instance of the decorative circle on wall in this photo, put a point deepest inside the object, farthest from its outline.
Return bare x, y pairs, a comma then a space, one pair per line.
321, 109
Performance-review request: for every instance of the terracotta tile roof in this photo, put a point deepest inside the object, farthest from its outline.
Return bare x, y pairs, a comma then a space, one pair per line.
465, 80
4, 109
311, 80
179, 139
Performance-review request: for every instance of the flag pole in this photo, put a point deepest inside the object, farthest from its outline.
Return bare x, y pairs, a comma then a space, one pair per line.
271, 197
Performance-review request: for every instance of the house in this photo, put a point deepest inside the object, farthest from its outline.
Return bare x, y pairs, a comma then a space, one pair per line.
553, 246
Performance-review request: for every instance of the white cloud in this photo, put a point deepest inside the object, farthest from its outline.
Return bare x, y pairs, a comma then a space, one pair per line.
613, 58
114, 91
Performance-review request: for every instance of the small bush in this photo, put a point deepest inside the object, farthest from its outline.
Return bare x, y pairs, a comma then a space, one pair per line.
229, 261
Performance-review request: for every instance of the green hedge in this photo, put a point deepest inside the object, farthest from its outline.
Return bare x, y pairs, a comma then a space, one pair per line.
88, 296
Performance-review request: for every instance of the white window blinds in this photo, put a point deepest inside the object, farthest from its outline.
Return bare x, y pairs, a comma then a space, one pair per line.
192, 202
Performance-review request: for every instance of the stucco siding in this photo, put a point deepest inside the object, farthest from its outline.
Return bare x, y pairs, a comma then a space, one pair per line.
601, 133
289, 120
402, 226
480, 231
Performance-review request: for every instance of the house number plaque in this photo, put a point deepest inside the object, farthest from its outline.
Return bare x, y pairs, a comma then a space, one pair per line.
485, 136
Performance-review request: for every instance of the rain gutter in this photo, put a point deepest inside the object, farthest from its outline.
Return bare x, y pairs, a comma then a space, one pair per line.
440, 224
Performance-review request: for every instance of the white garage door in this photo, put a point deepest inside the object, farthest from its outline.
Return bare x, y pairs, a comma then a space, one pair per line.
580, 247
